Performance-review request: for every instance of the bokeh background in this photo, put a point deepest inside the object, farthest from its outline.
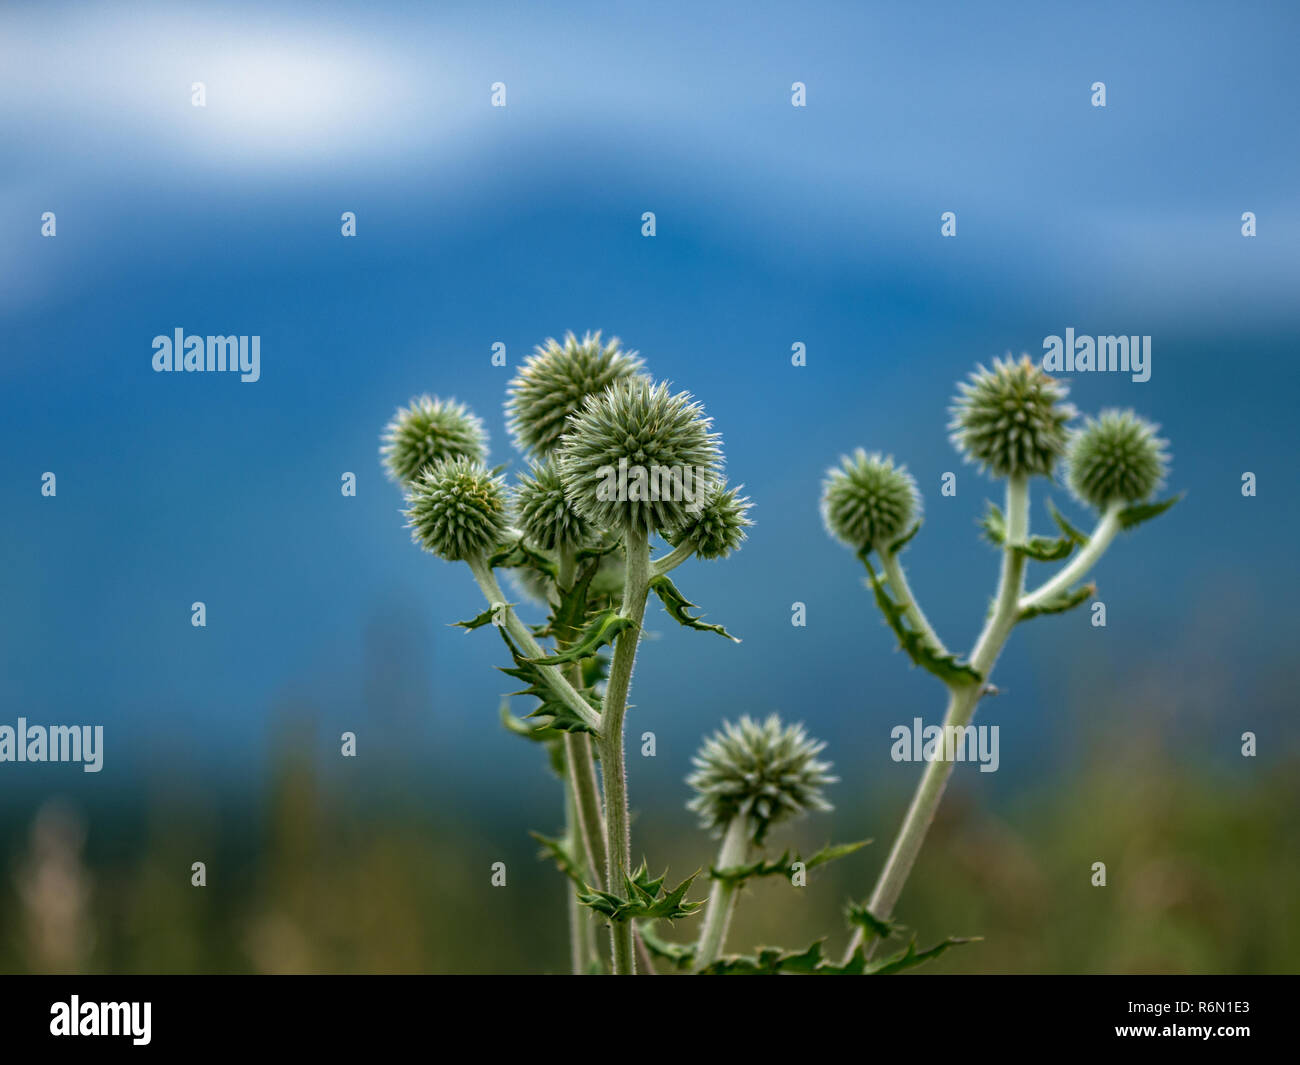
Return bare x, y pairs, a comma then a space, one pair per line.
775, 225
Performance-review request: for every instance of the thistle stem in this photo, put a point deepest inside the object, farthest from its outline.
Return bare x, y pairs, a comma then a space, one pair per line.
898, 582
1078, 566
962, 701
672, 560
618, 839
518, 631
722, 902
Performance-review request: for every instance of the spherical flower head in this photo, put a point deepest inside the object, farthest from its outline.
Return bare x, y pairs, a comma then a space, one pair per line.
718, 526
1011, 420
544, 513
1116, 458
555, 381
428, 431
636, 455
456, 509
868, 502
767, 772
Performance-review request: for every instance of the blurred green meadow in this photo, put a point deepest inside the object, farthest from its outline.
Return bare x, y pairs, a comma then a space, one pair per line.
1201, 876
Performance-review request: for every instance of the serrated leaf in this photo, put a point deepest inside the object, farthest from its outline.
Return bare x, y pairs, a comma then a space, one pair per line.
519, 555
560, 715
861, 917
1039, 548
479, 620
1061, 602
947, 668
1140, 512
783, 865
559, 851
909, 957
603, 629
904, 540
1080, 538
645, 899
679, 955
677, 606
520, 727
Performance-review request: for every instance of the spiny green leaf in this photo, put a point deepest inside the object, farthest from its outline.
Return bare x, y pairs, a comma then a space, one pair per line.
519, 555
922, 653
486, 618
559, 714
677, 606
601, 630
679, 955
861, 917
1140, 512
1061, 602
909, 957
645, 899
560, 851
783, 865
1039, 548
520, 727
1080, 538
903, 540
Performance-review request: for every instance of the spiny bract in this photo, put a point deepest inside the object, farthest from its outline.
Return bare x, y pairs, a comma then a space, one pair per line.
718, 527
1115, 458
457, 509
556, 380
633, 454
867, 501
1011, 420
544, 513
767, 772
428, 431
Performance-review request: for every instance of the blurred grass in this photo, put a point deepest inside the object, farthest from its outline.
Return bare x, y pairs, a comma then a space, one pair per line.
1201, 866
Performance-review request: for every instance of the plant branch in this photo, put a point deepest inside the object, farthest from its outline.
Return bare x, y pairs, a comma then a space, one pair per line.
722, 901
674, 558
618, 841
1078, 566
903, 593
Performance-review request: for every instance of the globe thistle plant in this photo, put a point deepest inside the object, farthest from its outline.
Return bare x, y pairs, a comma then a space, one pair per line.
456, 509
868, 502
1115, 458
717, 526
544, 513
1012, 422
556, 380
429, 430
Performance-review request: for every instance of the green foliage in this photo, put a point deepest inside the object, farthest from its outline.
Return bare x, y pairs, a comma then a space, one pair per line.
677, 606
783, 865
645, 898
602, 630
1061, 601
1139, 512
920, 650
1038, 548
558, 715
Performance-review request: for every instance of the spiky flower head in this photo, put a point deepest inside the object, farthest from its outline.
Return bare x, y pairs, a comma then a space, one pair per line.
635, 456
867, 501
1115, 458
1011, 420
544, 513
556, 380
428, 431
457, 509
718, 526
767, 772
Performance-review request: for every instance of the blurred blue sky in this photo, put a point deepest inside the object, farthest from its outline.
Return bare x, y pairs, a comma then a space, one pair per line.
478, 225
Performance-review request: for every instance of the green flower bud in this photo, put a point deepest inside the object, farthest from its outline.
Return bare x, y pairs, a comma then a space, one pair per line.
718, 527
456, 509
1116, 458
1011, 420
544, 514
868, 502
768, 773
636, 455
428, 431
555, 381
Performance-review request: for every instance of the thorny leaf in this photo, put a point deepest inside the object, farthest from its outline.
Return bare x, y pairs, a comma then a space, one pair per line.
1061, 601
560, 851
519, 555
1140, 512
601, 630
781, 866
645, 899
1039, 548
561, 715
677, 606
486, 618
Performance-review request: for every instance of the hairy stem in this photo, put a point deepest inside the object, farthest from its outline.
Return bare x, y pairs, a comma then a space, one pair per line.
962, 701
1078, 566
898, 582
722, 902
518, 631
618, 841
672, 560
